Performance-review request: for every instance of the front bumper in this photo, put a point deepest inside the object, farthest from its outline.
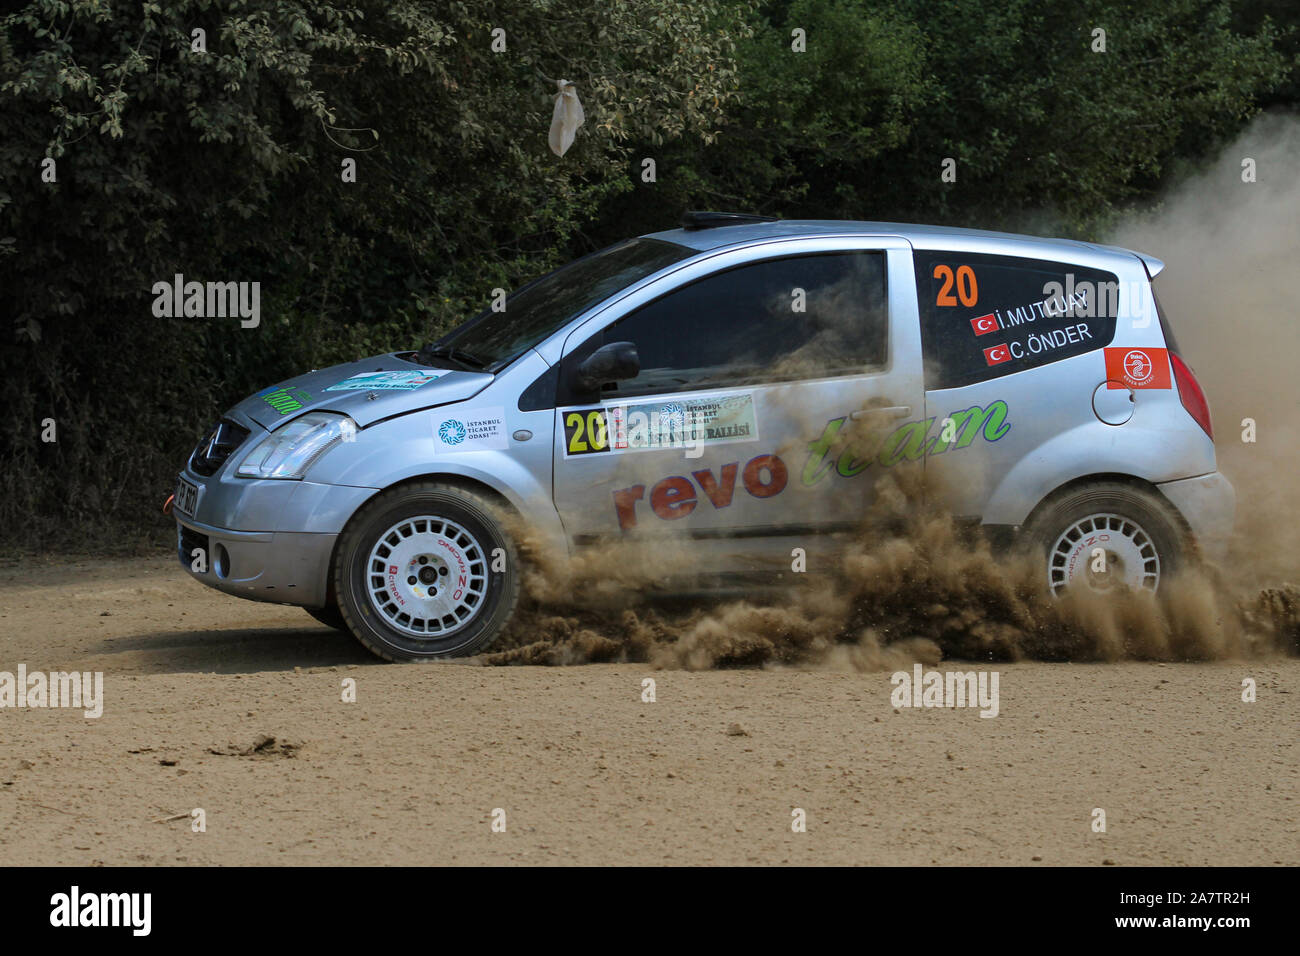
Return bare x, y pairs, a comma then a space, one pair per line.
264, 539
1208, 503
286, 567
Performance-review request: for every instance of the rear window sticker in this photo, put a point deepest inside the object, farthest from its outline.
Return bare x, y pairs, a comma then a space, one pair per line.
984, 316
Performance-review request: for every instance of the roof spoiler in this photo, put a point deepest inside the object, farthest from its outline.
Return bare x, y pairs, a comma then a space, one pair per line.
1153, 265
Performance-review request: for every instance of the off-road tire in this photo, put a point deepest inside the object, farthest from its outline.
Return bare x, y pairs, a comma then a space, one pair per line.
361, 581
1158, 531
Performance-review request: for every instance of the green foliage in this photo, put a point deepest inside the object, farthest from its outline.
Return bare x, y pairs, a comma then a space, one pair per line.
1041, 121
224, 165
1046, 133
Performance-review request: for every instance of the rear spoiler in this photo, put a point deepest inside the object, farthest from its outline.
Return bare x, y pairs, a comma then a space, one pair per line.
1153, 265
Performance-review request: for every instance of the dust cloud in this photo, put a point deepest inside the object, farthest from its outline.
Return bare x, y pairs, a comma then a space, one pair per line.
1229, 288
912, 585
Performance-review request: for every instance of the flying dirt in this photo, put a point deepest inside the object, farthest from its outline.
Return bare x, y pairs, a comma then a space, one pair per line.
912, 586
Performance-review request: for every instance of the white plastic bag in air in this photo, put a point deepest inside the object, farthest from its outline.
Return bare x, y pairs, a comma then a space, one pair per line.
566, 119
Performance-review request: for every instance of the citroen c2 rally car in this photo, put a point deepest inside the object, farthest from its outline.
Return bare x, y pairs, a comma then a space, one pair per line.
716, 381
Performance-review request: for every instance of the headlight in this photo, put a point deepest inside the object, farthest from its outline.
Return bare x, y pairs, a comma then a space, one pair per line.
289, 451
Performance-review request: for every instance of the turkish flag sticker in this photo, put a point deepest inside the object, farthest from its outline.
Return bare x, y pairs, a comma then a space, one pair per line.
1137, 368
983, 324
997, 355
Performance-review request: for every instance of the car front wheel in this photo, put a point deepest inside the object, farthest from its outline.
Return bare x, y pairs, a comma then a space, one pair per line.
426, 571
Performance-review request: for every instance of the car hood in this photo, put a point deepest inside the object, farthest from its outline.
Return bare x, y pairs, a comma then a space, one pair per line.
354, 390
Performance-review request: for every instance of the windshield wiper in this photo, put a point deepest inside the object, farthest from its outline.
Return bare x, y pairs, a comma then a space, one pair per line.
460, 356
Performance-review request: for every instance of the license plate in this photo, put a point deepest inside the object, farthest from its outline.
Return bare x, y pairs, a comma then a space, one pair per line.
187, 496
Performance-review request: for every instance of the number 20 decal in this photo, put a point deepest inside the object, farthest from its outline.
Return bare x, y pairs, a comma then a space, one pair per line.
586, 433
967, 289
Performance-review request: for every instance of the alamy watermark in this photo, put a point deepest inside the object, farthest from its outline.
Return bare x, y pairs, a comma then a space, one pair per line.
82, 690
208, 300
946, 689
75, 909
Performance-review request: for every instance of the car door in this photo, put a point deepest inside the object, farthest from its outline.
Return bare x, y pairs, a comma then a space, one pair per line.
757, 368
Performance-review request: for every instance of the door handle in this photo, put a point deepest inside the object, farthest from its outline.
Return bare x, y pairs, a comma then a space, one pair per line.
893, 411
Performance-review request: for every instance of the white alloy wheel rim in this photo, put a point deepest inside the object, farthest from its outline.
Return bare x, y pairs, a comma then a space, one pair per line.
1130, 556
427, 576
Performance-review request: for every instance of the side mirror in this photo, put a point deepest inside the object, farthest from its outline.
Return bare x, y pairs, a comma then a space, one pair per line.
613, 362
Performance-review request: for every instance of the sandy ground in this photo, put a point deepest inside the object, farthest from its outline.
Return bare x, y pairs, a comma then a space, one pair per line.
586, 772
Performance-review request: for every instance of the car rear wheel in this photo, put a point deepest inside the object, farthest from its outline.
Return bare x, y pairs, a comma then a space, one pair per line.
426, 571
1106, 537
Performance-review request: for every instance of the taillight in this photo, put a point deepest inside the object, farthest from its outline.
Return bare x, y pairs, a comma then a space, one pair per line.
1189, 390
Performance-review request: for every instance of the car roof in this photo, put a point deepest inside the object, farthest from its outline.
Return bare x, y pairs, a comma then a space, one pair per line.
716, 237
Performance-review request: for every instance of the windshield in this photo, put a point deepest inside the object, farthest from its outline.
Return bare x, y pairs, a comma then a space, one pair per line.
494, 339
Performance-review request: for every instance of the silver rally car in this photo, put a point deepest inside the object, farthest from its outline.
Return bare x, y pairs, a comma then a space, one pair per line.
740, 385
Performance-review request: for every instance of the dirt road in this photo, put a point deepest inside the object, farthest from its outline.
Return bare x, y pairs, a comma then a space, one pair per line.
584, 770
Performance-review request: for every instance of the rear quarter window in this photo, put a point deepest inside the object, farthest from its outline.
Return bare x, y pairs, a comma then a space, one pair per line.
984, 316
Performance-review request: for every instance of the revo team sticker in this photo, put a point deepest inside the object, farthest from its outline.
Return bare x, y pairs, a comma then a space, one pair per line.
835, 451
1137, 368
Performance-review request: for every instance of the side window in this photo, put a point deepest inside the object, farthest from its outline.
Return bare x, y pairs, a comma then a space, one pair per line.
801, 317
984, 316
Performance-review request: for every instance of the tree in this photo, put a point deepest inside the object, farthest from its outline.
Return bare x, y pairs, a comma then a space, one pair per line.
1047, 132
218, 155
